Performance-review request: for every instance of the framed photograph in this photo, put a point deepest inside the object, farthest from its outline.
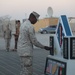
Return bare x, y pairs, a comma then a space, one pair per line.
54, 67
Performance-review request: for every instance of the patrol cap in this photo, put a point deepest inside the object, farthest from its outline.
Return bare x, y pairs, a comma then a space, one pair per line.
36, 15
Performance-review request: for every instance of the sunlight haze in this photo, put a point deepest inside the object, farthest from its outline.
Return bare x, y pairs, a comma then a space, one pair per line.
20, 9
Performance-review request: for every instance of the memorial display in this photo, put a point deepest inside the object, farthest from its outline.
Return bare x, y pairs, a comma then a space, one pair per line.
61, 60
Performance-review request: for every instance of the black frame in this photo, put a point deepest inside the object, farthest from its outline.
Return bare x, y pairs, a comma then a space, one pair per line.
71, 48
52, 45
56, 61
65, 51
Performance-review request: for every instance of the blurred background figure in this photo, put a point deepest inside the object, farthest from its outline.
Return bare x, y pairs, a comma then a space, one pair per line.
16, 35
7, 37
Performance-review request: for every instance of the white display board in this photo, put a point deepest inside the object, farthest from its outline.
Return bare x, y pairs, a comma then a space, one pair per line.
59, 66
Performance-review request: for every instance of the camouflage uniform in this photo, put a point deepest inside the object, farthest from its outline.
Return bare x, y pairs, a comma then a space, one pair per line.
25, 47
7, 37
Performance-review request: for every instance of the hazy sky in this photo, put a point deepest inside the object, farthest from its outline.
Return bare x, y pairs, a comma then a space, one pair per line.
19, 9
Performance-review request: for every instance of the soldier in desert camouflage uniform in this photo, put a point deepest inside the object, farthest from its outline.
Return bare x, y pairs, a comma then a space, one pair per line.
7, 37
26, 41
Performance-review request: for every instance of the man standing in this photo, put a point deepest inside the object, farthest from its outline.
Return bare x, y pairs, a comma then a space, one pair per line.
16, 35
7, 37
26, 41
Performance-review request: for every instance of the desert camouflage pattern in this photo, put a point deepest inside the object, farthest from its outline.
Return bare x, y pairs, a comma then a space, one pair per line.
7, 37
25, 47
26, 65
27, 39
